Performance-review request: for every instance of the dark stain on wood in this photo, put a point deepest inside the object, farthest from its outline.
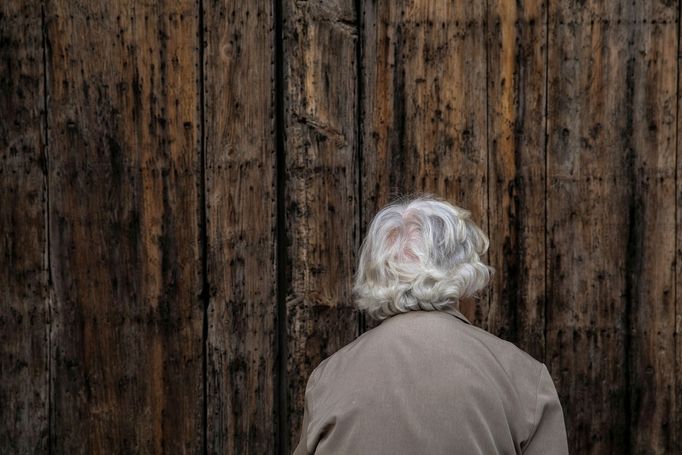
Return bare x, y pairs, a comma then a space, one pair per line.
241, 204
24, 275
397, 142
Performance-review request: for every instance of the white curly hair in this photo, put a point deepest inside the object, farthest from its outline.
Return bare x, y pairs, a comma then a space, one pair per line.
420, 253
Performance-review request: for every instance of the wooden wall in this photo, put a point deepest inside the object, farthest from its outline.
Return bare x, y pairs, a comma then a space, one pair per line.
184, 187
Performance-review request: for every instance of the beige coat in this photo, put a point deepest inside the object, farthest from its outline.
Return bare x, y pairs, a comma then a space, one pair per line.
430, 382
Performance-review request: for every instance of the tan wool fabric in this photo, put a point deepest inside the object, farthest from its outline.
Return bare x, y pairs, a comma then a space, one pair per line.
430, 382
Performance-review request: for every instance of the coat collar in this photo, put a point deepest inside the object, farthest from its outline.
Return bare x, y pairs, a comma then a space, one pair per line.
456, 313
449, 310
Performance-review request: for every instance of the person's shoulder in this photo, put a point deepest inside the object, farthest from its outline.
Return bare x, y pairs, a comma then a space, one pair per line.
520, 368
506, 347
455, 333
361, 351
506, 352
422, 327
336, 359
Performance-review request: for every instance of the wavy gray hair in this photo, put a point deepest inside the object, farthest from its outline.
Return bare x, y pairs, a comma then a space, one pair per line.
420, 253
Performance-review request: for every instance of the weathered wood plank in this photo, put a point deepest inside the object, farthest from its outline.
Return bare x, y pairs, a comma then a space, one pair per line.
319, 56
516, 140
651, 234
586, 319
23, 232
424, 98
611, 114
676, 424
241, 210
124, 122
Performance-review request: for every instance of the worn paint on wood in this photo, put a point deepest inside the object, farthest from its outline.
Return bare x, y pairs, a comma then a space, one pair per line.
241, 210
124, 122
23, 236
516, 76
424, 115
321, 205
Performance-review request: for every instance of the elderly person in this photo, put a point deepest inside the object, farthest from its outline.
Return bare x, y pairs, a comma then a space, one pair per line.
425, 380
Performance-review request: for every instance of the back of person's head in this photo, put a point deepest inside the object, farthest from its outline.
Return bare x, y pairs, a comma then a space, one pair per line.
420, 253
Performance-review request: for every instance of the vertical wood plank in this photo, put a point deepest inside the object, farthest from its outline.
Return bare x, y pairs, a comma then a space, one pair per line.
319, 57
586, 311
650, 257
516, 140
676, 424
611, 116
124, 124
241, 210
424, 108
23, 236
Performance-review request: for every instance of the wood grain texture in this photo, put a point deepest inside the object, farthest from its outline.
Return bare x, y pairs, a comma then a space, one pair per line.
611, 117
124, 123
586, 319
650, 257
319, 50
23, 232
241, 210
676, 424
516, 98
555, 123
424, 115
